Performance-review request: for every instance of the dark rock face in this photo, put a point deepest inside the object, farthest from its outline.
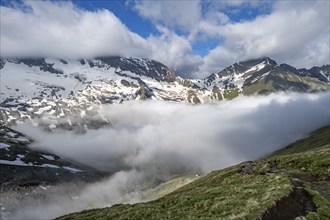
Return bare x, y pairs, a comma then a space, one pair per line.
82, 62
139, 66
242, 67
23, 176
263, 76
142, 67
39, 62
63, 61
259, 73
23, 166
322, 73
2, 63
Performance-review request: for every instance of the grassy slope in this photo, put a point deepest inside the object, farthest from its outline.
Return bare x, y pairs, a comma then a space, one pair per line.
243, 191
317, 139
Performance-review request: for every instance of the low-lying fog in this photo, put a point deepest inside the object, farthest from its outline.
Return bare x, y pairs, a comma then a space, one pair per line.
152, 139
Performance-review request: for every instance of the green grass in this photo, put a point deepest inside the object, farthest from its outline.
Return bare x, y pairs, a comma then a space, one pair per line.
315, 161
315, 140
226, 94
221, 194
216, 93
192, 97
260, 87
233, 194
322, 205
167, 187
230, 93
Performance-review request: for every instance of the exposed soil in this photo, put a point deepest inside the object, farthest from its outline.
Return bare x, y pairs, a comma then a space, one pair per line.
297, 203
319, 184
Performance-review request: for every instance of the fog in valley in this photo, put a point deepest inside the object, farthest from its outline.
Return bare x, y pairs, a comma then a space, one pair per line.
155, 140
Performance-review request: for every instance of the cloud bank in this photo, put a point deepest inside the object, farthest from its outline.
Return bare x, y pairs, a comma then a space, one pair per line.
154, 140
292, 33
150, 134
63, 30
295, 32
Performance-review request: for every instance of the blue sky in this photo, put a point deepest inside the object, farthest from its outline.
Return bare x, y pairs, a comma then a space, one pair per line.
124, 12
194, 38
130, 17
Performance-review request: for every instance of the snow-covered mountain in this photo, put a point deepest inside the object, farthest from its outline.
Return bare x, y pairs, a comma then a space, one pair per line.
55, 88
264, 76
45, 91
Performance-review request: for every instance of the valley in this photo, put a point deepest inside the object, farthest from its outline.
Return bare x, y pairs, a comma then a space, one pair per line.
140, 109
290, 183
84, 134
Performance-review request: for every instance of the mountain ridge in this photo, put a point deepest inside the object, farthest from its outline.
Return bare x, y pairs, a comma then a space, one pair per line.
37, 88
117, 61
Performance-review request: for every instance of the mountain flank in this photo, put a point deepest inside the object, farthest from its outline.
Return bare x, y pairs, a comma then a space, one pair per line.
293, 182
22, 166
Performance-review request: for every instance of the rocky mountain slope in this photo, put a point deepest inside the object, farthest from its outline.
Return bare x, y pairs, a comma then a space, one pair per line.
45, 91
27, 173
23, 166
291, 183
264, 76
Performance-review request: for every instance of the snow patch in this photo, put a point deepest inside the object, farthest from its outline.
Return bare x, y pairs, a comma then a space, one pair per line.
48, 157
260, 77
10, 134
71, 169
17, 162
4, 146
256, 67
41, 110
22, 139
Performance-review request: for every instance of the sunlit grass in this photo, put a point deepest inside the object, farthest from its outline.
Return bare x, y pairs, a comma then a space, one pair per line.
233, 194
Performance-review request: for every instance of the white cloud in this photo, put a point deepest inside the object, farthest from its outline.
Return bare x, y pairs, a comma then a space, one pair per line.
174, 50
196, 135
293, 32
187, 16
60, 29
173, 14
151, 140
296, 33
216, 60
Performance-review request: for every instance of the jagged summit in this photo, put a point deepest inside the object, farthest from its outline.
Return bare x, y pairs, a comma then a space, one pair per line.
258, 60
264, 76
139, 66
322, 73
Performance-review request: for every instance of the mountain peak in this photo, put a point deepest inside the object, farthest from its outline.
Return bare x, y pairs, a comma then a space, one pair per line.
248, 66
264, 76
266, 60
